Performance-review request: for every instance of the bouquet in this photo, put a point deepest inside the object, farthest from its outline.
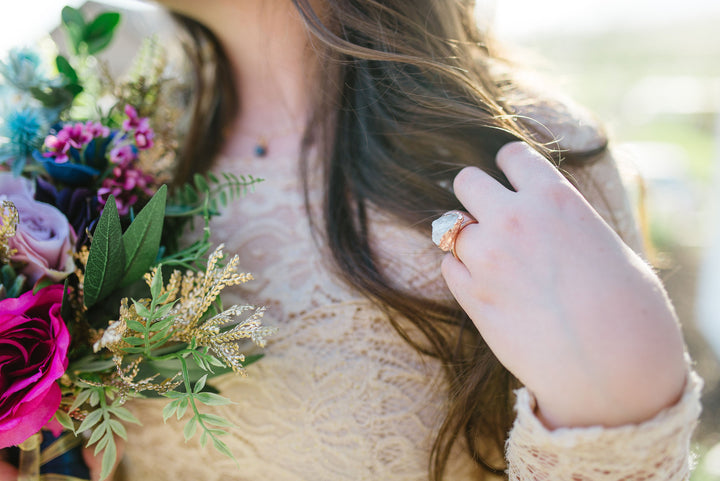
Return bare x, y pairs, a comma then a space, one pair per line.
99, 302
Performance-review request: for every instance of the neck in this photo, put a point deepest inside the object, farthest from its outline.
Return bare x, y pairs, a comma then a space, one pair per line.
273, 63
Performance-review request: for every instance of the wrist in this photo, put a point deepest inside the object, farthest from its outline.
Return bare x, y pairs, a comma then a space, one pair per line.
626, 400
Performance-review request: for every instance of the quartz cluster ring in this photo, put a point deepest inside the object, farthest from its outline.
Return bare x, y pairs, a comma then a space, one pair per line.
447, 227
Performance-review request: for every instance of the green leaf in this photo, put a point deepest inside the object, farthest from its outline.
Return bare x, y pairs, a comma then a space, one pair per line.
135, 325
182, 408
97, 434
42, 283
134, 341
203, 439
190, 429
108, 459
90, 420
72, 16
103, 24
133, 350
200, 384
160, 325
118, 428
142, 311
212, 399
157, 284
201, 183
216, 420
124, 414
174, 394
101, 445
99, 33
223, 448
94, 398
80, 399
170, 409
66, 69
107, 256
64, 419
74, 23
141, 241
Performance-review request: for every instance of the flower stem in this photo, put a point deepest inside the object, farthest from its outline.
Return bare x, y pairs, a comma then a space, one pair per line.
29, 467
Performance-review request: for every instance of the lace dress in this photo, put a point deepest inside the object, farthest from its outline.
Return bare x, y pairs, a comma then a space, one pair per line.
340, 396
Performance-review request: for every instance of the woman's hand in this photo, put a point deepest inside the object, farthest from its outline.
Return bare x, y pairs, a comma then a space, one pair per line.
563, 303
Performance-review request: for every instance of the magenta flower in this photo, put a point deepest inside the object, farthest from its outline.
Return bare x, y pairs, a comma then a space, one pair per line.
125, 185
122, 155
133, 120
33, 355
144, 138
96, 129
77, 135
58, 147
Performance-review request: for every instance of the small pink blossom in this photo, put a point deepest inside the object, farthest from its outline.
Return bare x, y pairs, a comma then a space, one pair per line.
58, 147
125, 184
96, 129
77, 135
144, 139
133, 120
123, 155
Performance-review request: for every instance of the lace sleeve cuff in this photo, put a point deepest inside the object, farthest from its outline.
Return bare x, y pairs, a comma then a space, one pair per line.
659, 446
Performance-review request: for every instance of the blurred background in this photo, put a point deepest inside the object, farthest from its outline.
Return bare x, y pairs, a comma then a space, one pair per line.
651, 72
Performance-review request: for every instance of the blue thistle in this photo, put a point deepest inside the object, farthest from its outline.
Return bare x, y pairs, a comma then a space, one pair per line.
23, 68
24, 130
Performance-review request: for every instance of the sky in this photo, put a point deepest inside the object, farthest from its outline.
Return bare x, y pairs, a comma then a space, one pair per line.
21, 22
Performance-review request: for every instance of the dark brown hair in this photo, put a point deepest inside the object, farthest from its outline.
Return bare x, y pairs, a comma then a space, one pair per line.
422, 94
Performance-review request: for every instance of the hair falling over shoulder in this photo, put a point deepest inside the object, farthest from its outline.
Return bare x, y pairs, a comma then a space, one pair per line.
416, 94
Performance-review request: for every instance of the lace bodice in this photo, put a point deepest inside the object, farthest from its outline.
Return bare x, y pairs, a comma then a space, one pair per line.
339, 395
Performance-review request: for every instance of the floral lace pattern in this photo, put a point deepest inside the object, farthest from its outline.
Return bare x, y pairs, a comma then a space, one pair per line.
339, 395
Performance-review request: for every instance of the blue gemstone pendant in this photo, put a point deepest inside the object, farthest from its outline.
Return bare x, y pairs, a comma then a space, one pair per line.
261, 148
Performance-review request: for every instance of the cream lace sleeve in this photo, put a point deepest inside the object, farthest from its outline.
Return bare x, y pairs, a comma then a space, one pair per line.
657, 449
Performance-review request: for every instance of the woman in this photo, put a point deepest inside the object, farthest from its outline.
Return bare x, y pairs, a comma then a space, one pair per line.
368, 119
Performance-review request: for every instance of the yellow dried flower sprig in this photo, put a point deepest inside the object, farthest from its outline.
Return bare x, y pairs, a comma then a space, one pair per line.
9, 219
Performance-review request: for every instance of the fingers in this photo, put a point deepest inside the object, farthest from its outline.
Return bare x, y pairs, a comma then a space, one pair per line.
524, 166
478, 191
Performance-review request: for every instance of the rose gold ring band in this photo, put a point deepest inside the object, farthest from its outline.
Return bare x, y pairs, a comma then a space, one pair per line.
447, 227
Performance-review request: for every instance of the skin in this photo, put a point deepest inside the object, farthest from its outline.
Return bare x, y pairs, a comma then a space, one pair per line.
565, 305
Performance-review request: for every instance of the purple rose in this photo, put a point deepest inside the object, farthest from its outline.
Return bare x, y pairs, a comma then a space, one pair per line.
44, 239
33, 355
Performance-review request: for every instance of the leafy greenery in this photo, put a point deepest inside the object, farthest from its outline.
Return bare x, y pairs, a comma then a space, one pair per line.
141, 240
208, 193
116, 259
106, 260
89, 37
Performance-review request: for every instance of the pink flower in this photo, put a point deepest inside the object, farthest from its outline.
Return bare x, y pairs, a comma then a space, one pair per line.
33, 355
123, 155
58, 147
144, 138
44, 238
125, 185
133, 121
96, 129
76, 134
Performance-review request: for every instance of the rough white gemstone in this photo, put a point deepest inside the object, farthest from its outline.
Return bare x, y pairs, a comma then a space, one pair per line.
443, 224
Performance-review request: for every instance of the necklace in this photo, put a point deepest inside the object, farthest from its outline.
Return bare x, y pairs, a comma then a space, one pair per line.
262, 144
